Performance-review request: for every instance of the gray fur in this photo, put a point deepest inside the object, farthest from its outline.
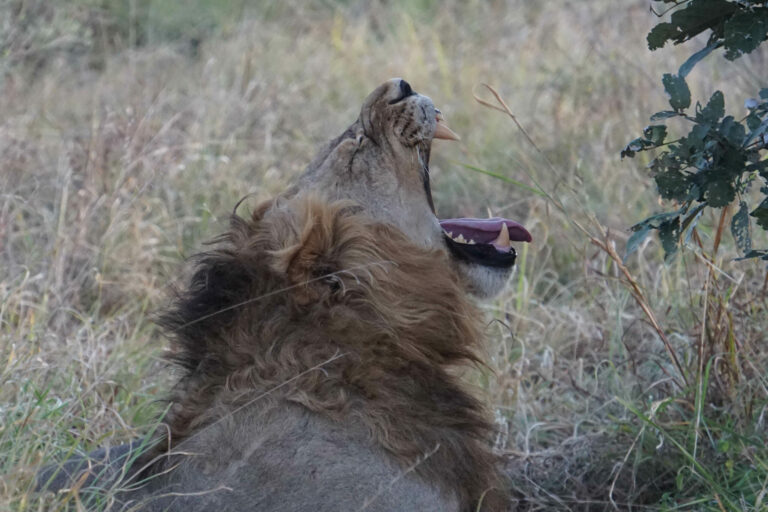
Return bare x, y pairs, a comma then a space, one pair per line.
275, 459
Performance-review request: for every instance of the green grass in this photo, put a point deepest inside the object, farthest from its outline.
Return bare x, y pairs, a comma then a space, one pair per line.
120, 154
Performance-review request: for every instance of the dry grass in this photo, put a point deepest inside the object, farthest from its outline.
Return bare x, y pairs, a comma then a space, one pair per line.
117, 161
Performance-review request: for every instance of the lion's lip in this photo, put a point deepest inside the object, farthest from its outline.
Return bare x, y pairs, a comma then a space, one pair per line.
484, 241
481, 254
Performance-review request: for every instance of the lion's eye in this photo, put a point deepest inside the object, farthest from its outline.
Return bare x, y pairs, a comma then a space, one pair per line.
405, 91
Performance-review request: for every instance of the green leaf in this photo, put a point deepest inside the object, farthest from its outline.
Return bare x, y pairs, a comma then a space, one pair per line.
733, 131
677, 90
758, 128
714, 110
761, 214
694, 142
753, 121
729, 163
744, 32
719, 192
699, 132
695, 18
664, 114
660, 34
639, 144
673, 184
755, 253
655, 133
640, 234
696, 57
669, 234
740, 228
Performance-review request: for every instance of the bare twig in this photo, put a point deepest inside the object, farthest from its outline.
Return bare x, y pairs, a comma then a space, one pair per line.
637, 294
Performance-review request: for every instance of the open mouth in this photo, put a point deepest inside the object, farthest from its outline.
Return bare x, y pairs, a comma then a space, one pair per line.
483, 241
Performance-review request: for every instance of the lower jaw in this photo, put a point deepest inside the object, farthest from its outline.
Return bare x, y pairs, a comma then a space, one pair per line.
481, 254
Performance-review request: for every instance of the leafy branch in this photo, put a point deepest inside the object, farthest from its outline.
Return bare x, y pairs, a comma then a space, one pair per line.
721, 157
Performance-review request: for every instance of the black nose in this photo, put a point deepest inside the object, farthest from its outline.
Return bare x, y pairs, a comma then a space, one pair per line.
405, 89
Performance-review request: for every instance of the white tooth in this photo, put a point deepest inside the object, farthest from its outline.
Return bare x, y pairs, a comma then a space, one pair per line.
503, 239
471, 242
461, 239
449, 233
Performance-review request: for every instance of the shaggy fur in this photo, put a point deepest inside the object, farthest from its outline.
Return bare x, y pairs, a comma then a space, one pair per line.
305, 282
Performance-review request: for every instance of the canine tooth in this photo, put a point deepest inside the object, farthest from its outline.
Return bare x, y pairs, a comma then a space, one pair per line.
503, 239
449, 233
471, 242
461, 239
443, 132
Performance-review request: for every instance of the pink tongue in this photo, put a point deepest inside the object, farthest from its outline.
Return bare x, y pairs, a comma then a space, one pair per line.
485, 231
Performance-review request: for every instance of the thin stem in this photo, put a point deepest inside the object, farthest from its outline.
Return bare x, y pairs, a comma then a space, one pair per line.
637, 294
719, 233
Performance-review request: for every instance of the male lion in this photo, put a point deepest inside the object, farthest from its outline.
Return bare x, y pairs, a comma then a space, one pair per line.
319, 344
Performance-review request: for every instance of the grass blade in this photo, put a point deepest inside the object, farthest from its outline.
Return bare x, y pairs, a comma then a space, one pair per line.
503, 178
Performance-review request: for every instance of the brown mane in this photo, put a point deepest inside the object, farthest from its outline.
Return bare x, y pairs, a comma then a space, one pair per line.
312, 303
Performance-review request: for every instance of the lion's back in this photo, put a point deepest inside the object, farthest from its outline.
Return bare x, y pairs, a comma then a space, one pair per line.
285, 459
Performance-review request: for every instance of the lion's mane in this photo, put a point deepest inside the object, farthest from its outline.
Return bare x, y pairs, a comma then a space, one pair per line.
312, 303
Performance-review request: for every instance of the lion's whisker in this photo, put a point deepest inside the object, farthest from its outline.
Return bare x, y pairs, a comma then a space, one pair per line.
419, 460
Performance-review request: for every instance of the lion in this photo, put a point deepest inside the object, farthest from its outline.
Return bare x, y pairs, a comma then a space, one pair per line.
320, 344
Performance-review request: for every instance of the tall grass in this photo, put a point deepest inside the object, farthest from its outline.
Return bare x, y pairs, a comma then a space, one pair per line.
128, 134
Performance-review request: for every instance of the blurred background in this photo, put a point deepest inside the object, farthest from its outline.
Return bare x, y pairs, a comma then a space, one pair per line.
129, 130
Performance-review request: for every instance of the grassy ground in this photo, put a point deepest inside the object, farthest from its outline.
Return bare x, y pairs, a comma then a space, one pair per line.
128, 132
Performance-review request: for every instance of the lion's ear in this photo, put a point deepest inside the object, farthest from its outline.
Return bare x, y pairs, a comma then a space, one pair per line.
306, 233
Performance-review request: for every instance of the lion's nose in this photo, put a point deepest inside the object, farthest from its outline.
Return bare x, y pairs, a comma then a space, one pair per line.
405, 89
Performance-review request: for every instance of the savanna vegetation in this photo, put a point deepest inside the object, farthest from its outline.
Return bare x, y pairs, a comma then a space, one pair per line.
130, 129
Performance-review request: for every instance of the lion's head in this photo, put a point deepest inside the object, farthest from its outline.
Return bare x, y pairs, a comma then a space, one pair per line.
381, 162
